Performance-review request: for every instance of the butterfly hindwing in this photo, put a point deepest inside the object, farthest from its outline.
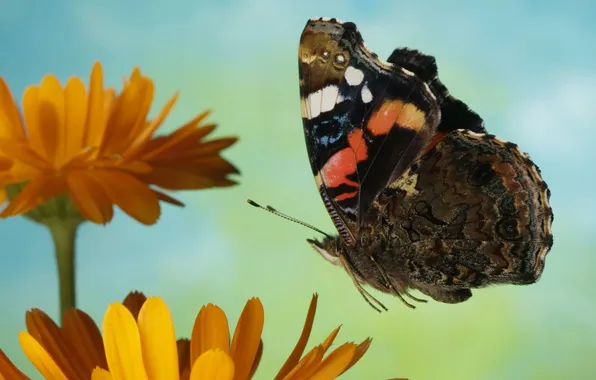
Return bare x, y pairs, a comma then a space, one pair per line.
472, 211
364, 119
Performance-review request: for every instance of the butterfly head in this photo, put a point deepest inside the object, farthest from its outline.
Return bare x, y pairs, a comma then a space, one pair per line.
328, 247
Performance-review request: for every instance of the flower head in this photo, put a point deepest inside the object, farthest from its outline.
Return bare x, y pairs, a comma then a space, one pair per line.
139, 342
82, 151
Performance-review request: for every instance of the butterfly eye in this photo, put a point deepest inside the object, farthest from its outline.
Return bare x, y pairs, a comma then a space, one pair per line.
340, 58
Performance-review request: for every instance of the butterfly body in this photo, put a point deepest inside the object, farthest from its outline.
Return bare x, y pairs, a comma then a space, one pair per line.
422, 197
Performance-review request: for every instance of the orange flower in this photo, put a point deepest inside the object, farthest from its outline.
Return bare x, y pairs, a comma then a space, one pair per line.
98, 148
139, 343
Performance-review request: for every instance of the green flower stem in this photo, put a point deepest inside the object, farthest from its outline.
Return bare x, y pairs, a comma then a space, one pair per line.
64, 233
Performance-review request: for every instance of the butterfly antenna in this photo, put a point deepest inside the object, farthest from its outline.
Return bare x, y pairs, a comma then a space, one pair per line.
287, 217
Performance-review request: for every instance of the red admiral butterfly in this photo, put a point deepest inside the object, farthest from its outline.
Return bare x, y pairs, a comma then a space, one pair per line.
422, 197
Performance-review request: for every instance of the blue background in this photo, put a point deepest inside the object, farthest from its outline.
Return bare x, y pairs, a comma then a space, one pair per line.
526, 66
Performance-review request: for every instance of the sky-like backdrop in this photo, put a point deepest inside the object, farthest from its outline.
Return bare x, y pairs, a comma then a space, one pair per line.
527, 67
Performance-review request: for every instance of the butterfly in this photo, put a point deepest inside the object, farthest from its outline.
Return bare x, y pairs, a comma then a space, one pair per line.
422, 197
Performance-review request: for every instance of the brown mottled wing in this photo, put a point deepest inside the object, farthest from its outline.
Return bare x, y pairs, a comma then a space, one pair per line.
472, 211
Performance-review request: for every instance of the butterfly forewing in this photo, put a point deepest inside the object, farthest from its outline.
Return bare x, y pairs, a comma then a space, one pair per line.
364, 119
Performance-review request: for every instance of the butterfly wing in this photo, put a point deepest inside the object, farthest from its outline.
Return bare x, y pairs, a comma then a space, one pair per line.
364, 119
470, 212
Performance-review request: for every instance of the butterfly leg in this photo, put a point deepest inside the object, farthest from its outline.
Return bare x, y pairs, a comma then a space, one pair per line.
366, 295
415, 298
390, 286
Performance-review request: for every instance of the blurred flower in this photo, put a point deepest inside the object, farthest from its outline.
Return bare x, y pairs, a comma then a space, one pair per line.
139, 343
72, 154
98, 148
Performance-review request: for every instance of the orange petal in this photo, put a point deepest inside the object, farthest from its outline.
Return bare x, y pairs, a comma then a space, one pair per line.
307, 366
329, 340
78, 327
189, 131
51, 119
5, 164
133, 302
8, 371
10, 120
41, 359
298, 350
75, 114
133, 196
96, 115
165, 198
45, 331
247, 337
42, 116
24, 153
158, 340
360, 351
334, 364
36, 192
141, 136
183, 346
257, 361
209, 331
3, 196
89, 197
130, 108
175, 178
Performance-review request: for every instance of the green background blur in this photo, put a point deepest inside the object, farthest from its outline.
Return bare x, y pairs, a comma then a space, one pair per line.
526, 67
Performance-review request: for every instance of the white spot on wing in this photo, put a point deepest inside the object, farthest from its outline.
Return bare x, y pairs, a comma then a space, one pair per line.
367, 96
329, 96
353, 76
314, 104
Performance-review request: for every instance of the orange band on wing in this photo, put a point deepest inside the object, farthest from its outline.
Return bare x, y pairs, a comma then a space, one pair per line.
393, 112
343, 163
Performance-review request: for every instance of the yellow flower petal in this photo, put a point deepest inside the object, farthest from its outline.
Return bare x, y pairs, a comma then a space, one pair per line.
209, 331
247, 336
100, 374
213, 365
123, 344
40, 358
298, 350
158, 340
334, 364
